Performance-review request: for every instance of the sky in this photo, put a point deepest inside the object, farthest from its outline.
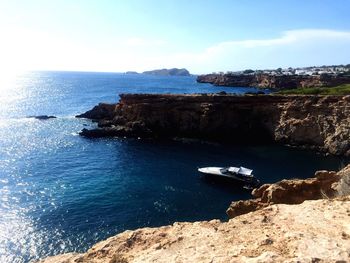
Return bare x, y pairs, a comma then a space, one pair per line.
201, 35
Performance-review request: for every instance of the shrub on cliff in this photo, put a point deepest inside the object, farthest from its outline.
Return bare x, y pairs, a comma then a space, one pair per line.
339, 90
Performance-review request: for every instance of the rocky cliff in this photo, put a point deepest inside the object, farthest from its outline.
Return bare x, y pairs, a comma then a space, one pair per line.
277, 82
319, 122
324, 184
312, 231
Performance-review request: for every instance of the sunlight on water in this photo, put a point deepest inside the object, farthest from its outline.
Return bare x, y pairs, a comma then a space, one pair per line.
60, 192
22, 197
12, 91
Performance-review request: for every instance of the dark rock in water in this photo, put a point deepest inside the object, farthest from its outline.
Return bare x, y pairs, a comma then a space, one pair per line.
43, 117
104, 123
133, 129
168, 72
101, 111
222, 93
99, 133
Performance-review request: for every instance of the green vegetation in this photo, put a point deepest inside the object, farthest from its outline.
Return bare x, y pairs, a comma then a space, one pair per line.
248, 71
339, 90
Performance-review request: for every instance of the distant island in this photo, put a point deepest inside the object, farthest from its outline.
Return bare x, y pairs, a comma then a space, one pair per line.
131, 72
165, 72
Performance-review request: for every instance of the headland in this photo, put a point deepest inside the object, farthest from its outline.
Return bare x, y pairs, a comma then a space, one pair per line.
317, 122
281, 79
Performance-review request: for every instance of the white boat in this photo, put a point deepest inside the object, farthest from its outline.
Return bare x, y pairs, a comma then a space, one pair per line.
236, 173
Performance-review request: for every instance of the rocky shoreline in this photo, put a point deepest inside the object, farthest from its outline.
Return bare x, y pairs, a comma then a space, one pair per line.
314, 229
317, 122
275, 82
288, 221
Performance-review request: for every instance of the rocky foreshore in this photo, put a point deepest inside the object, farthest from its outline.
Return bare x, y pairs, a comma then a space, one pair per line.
317, 122
309, 231
276, 82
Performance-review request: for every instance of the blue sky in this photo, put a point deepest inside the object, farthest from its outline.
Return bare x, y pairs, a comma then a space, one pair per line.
203, 36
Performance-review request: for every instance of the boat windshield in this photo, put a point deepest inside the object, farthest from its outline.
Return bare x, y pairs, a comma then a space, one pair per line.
224, 170
245, 171
240, 172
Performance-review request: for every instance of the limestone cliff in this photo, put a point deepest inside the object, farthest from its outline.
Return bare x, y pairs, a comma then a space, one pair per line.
277, 82
319, 122
313, 231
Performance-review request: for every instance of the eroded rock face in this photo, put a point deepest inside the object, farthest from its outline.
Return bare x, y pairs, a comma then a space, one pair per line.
319, 122
314, 231
277, 82
100, 112
325, 184
342, 187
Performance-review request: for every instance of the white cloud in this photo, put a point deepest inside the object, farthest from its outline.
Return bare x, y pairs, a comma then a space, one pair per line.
292, 48
287, 38
22, 48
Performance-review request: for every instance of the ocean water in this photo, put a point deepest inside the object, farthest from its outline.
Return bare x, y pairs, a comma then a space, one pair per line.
60, 192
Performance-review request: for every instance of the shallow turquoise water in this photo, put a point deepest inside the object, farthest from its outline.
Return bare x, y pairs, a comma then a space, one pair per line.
60, 192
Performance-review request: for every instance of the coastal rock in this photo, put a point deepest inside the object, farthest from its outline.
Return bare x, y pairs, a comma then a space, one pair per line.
43, 117
277, 82
107, 132
325, 184
317, 122
343, 185
314, 231
99, 112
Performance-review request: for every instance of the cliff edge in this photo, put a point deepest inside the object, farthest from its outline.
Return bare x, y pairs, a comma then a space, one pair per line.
317, 122
312, 231
276, 82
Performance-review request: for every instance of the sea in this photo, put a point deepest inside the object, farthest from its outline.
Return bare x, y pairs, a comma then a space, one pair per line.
60, 192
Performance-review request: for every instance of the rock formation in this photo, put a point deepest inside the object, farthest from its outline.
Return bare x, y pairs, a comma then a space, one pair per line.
42, 117
313, 231
318, 122
277, 82
325, 184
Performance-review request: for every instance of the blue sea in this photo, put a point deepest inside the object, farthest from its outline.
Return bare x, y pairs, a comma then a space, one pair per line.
60, 192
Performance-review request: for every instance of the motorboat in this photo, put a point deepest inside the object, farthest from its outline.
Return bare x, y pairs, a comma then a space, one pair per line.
240, 174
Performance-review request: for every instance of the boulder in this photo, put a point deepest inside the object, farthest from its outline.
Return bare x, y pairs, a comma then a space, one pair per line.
325, 185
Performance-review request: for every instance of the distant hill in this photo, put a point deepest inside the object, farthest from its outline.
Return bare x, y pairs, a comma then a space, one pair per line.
168, 72
131, 72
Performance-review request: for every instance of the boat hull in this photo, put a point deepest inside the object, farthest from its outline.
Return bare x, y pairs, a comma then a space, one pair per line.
215, 172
